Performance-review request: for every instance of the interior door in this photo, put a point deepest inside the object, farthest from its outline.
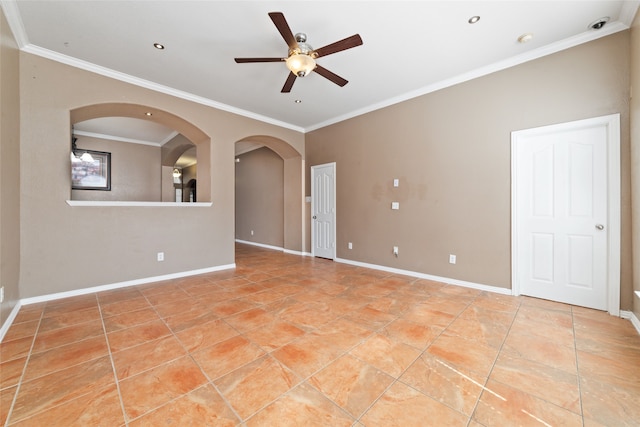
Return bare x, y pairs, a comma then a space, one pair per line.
323, 210
562, 222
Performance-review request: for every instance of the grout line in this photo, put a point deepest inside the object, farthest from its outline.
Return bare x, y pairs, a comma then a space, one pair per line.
190, 355
113, 366
493, 365
24, 369
578, 378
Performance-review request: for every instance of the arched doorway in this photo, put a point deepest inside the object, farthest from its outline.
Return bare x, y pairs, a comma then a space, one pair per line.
293, 189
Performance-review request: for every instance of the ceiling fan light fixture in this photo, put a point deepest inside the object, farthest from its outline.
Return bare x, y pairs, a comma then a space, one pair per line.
300, 64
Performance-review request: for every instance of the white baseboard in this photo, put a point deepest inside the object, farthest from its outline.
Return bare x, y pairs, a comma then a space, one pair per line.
261, 245
7, 324
118, 285
632, 317
300, 253
275, 248
495, 289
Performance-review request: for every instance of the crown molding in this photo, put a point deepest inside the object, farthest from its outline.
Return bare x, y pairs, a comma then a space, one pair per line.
627, 14
127, 78
11, 12
570, 42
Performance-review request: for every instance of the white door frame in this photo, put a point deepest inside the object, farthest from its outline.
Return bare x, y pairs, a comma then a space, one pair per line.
333, 237
612, 123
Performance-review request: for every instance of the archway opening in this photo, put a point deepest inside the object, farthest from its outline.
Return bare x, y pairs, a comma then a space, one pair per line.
134, 165
270, 157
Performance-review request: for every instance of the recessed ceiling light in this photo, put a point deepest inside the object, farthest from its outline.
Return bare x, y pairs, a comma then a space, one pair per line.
599, 23
527, 37
474, 19
159, 46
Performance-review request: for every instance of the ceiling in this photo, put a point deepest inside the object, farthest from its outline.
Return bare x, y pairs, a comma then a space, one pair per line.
410, 47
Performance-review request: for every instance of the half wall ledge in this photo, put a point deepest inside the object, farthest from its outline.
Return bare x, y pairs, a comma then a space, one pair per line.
142, 204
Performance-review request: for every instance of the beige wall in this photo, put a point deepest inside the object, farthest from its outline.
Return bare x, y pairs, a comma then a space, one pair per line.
451, 151
136, 171
9, 170
635, 157
66, 248
260, 197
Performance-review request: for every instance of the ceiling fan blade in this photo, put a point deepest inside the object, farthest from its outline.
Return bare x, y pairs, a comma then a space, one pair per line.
330, 76
246, 60
289, 83
338, 46
281, 24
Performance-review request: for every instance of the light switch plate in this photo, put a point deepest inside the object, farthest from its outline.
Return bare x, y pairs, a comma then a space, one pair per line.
396, 182
395, 205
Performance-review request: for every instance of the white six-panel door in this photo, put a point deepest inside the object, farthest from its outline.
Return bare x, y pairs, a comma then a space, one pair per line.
323, 210
562, 221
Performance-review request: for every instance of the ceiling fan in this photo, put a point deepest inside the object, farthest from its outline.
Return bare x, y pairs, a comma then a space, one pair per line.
301, 59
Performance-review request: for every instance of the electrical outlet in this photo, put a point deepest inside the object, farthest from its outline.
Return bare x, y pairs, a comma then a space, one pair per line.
395, 251
160, 256
395, 205
252, 232
452, 259
2, 294
350, 245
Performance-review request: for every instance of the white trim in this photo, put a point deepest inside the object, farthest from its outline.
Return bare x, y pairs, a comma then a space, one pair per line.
7, 324
630, 315
628, 12
142, 204
447, 280
135, 282
299, 253
587, 36
122, 139
275, 248
612, 123
262, 245
14, 19
117, 75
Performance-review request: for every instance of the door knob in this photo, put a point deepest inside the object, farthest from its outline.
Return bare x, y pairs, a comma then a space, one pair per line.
599, 226
314, 217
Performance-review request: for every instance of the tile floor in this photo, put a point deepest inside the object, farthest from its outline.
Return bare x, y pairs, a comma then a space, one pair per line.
292, 341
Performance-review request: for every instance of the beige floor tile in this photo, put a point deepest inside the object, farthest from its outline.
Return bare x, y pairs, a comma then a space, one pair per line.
444, 383
386, 354
202, 407
303, 406
160, 385
403, 406
227, 356
503, 405
256, 384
